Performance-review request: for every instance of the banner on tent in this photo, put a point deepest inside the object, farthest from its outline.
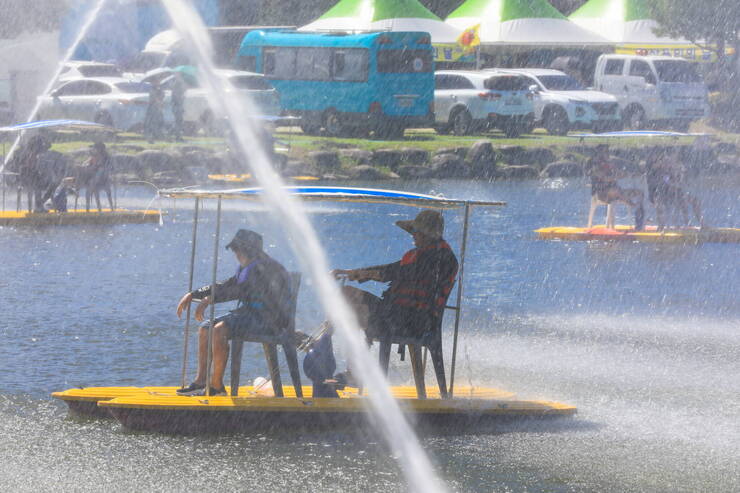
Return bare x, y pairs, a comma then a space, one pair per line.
452, 52
688, 51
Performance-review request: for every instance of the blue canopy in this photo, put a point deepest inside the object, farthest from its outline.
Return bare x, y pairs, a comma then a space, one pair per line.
79, 124
333, 194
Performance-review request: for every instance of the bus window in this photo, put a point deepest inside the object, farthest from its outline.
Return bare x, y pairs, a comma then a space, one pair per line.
313, 64
247, 63
350, 65
279, 63
404, 61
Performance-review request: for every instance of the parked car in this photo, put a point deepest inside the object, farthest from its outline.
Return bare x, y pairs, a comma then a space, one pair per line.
198, 114
113, 101
653, 90
467, 101
561, 103
75, 69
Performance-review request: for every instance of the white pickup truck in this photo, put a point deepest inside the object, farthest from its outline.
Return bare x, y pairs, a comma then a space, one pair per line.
653, 90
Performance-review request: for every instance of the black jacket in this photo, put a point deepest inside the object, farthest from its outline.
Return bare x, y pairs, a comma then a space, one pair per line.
267, 289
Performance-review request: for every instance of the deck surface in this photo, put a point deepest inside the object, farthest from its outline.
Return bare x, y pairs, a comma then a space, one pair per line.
650, 234
78, 216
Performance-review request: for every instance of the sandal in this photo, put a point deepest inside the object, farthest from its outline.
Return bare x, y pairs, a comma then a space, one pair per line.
190, 388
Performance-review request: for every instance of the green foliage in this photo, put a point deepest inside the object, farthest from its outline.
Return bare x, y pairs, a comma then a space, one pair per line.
17, 16
715, 21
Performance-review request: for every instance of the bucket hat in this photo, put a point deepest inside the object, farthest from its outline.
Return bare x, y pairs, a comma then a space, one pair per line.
428, 222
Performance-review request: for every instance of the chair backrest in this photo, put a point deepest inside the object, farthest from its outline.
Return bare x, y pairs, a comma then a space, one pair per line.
295, 284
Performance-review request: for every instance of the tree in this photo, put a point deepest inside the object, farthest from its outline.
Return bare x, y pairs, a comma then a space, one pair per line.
714, 24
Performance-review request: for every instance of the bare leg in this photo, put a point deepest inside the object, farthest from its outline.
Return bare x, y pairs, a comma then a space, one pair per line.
696, 208
200, 377
220, 355
96, 194
87, 200
110, 196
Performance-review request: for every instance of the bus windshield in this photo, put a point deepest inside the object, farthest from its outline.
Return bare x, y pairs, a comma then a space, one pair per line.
676, 71
404, 61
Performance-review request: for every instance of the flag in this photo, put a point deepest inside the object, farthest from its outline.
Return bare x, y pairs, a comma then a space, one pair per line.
469, 39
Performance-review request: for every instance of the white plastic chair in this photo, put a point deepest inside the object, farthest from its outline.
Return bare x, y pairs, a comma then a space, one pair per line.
595, 202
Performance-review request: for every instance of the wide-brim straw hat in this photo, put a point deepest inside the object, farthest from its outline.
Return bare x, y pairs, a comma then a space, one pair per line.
428, 222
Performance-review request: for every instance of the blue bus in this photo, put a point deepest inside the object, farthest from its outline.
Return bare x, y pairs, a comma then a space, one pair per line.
347, 84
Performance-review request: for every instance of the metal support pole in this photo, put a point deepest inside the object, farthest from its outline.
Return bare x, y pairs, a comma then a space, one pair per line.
459, 296
190, 290
213, 297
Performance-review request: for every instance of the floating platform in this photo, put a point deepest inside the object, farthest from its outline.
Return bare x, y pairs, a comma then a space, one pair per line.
79, 216
160, 409
247, 177
649, 235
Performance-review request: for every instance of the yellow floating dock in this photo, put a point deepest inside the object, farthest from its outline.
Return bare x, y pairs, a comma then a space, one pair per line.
79, 216
161, 409
650, 234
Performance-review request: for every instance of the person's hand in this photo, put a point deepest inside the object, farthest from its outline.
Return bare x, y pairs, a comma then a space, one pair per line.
362, 275
184, 303
202, 308
339, 273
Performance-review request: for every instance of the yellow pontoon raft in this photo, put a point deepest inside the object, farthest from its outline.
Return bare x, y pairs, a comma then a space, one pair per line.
460, 409
79, 216
650, 234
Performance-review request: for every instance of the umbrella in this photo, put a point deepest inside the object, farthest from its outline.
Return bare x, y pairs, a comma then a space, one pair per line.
188, 72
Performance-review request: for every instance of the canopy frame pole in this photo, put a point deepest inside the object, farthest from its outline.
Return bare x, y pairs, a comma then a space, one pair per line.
461, 276
190, 290
209, 357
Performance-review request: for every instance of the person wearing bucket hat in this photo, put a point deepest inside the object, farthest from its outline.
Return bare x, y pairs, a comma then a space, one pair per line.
262, 287
418, 284
604, 186
95, 176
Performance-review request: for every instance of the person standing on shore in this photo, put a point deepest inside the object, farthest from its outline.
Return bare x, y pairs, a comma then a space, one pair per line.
178, 105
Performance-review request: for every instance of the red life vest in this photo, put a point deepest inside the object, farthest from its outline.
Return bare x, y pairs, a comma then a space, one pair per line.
428, 291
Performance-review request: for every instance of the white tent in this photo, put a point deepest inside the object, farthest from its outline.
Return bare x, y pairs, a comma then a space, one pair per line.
391, 15
528, 23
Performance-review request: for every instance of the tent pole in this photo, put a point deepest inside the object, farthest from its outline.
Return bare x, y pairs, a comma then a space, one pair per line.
477, 58
213, 297
461, 277
190, 290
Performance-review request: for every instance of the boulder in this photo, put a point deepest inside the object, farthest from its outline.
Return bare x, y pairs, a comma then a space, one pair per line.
298, 168
156, 160
725, 148
459, 151
390, 158
449, 166
411, 172
325, 160
366, 172
414, 157
518, 171
511, 154
482, 159
357, 156
562, 169
126, 163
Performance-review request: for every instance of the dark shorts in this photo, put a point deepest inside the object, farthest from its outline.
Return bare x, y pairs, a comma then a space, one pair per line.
242, 323
387, 319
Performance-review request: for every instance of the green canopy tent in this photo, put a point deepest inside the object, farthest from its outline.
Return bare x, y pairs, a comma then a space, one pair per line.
628, 24
387, 15
522, 23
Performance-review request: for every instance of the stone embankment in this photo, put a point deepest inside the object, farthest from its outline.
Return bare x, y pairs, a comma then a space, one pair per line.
483, 161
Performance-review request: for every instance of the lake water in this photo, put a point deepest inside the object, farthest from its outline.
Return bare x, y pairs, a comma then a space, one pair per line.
644, 339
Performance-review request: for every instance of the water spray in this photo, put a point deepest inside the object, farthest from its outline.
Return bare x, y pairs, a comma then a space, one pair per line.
398, 433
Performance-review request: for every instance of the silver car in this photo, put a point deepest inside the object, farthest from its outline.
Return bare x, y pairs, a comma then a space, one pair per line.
112, 101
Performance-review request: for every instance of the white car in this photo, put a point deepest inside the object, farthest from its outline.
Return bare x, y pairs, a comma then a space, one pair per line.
466, 100
198, 113
113, 101
561, 103
76, 69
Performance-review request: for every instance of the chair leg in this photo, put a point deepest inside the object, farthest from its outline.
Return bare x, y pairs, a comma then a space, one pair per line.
418, 371
435, 351
236, 365
272, 363
384, 355
295, 375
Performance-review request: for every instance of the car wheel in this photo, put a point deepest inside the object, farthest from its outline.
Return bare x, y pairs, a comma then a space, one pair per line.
387, 129
442, 129
104, 118
310, 127
634, 118
513, 128
461, 122
333, 126
556, 121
